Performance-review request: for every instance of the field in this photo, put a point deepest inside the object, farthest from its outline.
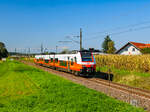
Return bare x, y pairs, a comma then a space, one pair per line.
140, 63
27, 89
130, 70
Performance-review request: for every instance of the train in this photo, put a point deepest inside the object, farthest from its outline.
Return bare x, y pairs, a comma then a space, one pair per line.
81, 63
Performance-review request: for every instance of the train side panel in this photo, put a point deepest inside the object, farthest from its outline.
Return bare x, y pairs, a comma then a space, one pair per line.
74, 63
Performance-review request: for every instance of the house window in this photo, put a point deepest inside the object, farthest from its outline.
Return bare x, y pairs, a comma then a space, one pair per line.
126, 49
133, 49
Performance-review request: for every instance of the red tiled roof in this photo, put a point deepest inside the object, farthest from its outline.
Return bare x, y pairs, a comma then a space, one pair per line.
137, 45
140, 45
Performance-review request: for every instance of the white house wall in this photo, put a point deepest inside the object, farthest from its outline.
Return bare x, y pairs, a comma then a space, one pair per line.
128, 50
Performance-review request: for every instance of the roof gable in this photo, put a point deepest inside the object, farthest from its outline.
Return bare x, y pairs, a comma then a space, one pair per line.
140, 45
135, 44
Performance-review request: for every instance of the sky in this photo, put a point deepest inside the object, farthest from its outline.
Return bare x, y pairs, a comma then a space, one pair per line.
29, 23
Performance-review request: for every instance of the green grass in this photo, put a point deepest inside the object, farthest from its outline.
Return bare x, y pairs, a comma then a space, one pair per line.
27, 89
132, 78
123, 72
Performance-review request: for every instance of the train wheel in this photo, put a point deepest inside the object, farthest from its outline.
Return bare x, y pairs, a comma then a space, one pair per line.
76, 73
72, 72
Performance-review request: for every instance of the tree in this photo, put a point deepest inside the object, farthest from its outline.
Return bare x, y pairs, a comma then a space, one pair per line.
105, 44
3, 50
145, 50
2, 45
111, 47
65, 51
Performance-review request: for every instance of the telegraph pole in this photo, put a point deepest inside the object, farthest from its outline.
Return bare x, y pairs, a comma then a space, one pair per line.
28, 50
41, 48
56, 49
80, 39
16, 50
72, 40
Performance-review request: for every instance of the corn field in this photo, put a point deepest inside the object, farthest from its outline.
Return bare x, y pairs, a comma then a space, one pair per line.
131, 62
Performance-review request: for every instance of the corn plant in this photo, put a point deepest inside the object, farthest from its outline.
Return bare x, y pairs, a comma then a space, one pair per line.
128, 62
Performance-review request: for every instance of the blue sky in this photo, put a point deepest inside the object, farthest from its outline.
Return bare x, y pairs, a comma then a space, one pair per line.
28, 23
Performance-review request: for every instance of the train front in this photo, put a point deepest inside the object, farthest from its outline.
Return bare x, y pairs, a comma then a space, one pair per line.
88, 63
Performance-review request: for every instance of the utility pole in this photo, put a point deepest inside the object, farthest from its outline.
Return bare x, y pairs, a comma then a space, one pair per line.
25, 52
15, 50
41, 48
80, 39
72, 40
56, 49
28, 50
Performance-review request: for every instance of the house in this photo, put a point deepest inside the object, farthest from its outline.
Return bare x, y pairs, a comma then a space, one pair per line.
132, 48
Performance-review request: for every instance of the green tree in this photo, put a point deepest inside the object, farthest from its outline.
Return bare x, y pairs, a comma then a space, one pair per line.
111, 47
105, 44
3, 50
65, 51
145, 50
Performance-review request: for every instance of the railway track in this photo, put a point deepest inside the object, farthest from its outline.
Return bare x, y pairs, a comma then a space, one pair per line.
122, 87
132, 90
130, 93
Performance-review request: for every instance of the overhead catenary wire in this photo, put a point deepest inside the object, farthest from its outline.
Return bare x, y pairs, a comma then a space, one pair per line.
73, 40
120, 28
121, 32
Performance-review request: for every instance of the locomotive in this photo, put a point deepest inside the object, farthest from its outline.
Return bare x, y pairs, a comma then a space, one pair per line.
80, 63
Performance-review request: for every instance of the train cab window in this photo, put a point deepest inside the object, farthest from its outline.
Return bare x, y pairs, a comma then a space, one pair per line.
72, 61
56, 60
46, 61
86, 56
51, 59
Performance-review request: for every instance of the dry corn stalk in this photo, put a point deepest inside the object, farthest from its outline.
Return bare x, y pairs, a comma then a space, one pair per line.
128, 62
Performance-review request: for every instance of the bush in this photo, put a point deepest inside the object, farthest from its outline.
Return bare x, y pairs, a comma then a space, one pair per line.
145, 50
3, 51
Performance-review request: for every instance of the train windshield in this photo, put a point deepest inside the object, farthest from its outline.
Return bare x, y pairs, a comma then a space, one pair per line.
86, 56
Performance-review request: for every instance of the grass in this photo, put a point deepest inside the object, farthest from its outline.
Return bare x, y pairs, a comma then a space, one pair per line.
27, 89
132, 78
132, 70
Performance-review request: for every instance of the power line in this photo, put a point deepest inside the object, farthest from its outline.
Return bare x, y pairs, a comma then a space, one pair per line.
64, 41
121, 27
73, 39
121, 32
131, 30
